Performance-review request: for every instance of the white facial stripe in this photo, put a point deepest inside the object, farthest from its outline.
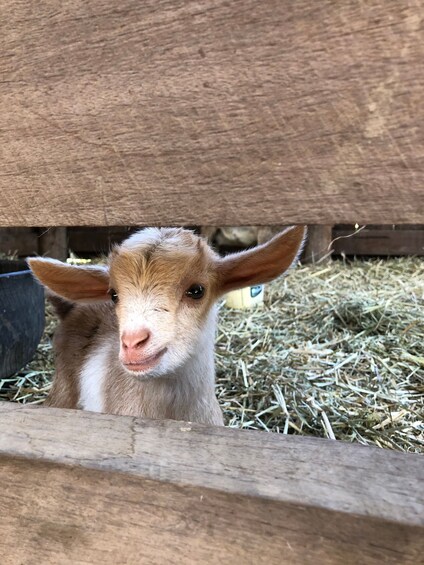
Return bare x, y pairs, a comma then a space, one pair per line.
134, 326
92, 379
136, 313
145, 312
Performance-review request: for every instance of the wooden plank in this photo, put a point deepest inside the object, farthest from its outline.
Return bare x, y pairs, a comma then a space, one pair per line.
19, 241
91, 488
211, 112
371, 241
44, 241
374, 240
318, 245
83, 240
53, 242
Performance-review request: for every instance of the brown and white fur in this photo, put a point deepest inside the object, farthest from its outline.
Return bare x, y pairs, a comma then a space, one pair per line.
150, 352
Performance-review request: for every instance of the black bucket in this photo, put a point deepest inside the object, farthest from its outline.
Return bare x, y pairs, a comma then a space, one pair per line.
21, 316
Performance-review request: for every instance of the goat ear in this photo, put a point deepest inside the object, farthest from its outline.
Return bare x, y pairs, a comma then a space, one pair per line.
77, 284
262, 263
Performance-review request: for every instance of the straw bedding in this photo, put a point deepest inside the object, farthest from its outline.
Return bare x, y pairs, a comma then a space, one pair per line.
336, 351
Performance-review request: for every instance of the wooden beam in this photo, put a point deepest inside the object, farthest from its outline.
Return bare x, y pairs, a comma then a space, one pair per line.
18, 241
90, 488
371, 241
83, 240
318, 245
211, 113
53, 242
374, 240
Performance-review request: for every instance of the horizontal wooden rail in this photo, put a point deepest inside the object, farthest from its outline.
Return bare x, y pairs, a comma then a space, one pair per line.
211, 112
382, 241
79, 487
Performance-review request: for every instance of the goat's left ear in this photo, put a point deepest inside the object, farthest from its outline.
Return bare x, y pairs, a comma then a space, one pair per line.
262, 263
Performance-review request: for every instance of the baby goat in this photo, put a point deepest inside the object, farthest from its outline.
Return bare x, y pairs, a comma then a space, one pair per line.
137, 337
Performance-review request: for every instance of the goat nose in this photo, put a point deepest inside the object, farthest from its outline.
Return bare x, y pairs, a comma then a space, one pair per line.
135, 340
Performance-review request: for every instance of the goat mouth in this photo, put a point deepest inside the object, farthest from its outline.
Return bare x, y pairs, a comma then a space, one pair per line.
145, 364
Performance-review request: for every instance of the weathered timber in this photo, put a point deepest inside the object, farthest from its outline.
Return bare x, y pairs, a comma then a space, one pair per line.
96, 240
318, 245
211, 112
375, 241
53, 242
91, 488
18, 241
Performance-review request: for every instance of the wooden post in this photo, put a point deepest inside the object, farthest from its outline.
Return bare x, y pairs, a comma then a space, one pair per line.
18, 241
318, 244
53, 242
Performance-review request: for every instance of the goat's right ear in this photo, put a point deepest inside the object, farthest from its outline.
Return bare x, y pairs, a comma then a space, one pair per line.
77, 284
263, 263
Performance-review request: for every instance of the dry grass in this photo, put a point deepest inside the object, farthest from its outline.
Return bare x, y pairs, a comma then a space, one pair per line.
336, 351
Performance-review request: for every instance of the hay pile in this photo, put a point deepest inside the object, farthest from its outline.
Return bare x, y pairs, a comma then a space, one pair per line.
336, 351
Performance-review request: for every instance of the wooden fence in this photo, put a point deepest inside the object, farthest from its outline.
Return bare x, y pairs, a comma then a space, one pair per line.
206, 112
369, 241
90, 488
209, 112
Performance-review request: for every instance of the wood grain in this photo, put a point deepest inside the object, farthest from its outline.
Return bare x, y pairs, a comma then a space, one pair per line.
319, 244
18, 241
371, 241
53, 242
90, 488
211, 112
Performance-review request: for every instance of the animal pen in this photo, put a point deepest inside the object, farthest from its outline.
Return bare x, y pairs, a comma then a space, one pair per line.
206, 113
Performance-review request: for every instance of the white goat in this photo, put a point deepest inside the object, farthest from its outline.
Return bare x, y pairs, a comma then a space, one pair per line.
137, 337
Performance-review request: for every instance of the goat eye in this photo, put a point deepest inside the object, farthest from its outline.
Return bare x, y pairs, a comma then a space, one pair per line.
113, 295
196, 291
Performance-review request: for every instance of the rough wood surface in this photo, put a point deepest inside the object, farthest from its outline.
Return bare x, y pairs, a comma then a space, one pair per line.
53, 242
18, 241
374, 240
318, 245
87, 488
371, 241
211, 112
83, 240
